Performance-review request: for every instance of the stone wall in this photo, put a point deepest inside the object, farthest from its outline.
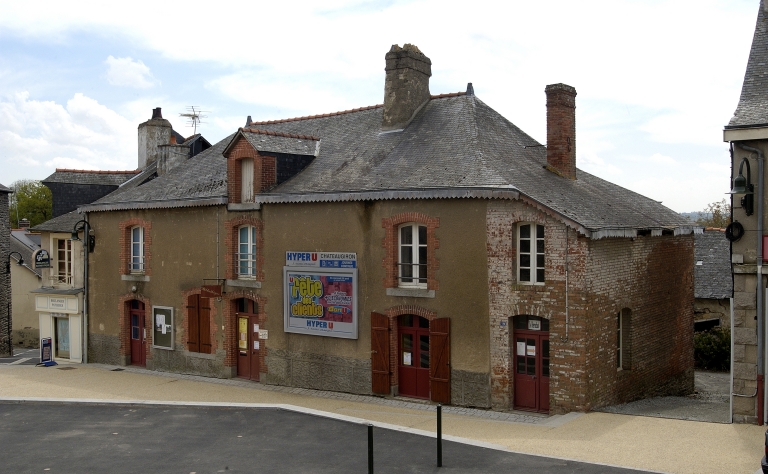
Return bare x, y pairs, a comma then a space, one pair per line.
318, 371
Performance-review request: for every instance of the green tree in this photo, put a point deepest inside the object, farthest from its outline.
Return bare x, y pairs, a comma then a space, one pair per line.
31, 200
717, 214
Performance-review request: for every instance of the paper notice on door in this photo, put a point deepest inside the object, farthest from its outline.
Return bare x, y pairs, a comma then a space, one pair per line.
531, 351
406, 358
165, 329
255, 345
160, 320
255, 328
521, 348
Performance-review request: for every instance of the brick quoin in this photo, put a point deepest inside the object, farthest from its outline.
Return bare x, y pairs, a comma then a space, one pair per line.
230, 326
125, 244
232, 239
125, 325
392, 314
390, 244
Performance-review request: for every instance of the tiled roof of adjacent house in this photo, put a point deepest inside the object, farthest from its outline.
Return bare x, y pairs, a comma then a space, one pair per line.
114, 178
753, 103
713, 276
63, 223
456, 146
22, 245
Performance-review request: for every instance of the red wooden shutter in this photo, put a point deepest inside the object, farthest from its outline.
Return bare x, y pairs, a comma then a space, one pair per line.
380, 382
193, 323
440, 363
204, 326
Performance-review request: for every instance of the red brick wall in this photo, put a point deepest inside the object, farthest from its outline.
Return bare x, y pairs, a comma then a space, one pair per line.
561, 129
390, 244
125, 244
230, 326
232, 239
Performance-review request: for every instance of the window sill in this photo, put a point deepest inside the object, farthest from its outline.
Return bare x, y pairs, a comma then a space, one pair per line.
244, 206
411, 292
244, 283
134, 277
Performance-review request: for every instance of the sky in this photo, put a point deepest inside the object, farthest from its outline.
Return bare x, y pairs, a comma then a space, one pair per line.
656, 80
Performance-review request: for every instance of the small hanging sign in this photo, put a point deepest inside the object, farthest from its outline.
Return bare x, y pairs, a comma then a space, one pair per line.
534, 325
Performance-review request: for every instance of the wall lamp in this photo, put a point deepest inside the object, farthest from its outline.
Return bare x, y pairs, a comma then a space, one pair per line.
744, 186
87, 228
8, 263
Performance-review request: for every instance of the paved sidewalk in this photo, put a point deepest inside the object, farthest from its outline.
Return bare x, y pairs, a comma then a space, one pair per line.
655, 444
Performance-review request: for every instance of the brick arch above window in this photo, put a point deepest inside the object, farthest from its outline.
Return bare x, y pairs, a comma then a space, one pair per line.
126, 227
232, 240
390, 243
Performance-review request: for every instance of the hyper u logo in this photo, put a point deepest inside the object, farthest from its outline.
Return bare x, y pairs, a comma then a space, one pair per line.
302, 256
320, 324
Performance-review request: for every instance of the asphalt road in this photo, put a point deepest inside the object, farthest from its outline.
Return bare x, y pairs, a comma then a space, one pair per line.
22, 356
64, 438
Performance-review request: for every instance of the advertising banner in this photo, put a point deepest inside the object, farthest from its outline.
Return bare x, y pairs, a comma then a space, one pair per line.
321, 298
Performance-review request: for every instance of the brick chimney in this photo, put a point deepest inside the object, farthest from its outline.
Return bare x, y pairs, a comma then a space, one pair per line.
561, 130
153, 133
406, 87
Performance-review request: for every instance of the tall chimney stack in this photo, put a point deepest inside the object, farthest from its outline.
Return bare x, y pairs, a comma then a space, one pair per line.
406, 87
153, 133
561, 129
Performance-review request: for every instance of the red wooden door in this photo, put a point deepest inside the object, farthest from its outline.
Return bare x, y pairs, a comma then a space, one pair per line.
440, 363
413, 359
531, 364
138, 333
248, 343
380, 380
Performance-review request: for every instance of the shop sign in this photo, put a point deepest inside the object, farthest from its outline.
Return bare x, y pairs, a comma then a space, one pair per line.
57, 303
321, 302
210, 291
41, 258
321, 259
534, 325
46, 353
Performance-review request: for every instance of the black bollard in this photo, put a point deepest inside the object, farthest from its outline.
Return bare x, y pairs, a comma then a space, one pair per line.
370, 449
439, 435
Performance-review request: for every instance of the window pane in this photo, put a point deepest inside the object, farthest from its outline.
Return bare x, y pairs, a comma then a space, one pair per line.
530, 365
135, 333
423, 322
545, 367
525, 231
525, 261
540, 261
525, 274
243, 235
422, 235
545, 348
540, 231
406, 320
406, 235
545, 327
539, 246
540, 276
422, 255
525, 246
424, 351
520, 364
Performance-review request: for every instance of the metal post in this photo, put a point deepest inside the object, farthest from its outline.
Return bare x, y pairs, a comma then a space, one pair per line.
439, 435
370, 448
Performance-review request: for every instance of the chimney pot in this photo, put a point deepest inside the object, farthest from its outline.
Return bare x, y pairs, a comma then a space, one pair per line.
153, 133
561, 129
156, 113
406, 87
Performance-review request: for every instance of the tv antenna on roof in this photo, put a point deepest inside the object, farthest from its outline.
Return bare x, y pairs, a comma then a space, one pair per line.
194, 116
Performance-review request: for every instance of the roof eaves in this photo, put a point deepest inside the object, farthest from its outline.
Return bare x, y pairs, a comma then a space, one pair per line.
172, 203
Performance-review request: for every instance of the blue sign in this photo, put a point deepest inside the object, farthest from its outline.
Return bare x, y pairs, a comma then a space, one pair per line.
46, 350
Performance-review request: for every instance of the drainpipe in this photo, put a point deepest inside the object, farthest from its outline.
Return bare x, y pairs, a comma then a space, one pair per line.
762, 404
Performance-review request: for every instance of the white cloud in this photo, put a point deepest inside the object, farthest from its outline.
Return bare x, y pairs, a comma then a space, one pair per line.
39, 136
129, 73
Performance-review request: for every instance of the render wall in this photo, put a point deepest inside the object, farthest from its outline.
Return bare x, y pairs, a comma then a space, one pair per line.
26, 330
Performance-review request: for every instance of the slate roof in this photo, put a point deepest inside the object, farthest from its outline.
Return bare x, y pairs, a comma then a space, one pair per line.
712, 279
753, 103
455, 147
63, 223
20, 243
114, 178
277, 142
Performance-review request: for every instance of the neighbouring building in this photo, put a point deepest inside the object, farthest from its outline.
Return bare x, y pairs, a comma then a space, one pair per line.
713, 280
426, 247
6, 346
747, 133
25, 278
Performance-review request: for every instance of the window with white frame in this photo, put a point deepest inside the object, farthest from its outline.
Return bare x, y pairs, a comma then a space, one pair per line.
530, 254
246, 252
137, 250
246, 180
412, 261
63, 261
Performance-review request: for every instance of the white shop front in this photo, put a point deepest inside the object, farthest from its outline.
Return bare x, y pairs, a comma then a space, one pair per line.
61, 320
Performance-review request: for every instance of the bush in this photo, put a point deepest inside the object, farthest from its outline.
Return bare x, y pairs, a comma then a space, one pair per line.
712, 349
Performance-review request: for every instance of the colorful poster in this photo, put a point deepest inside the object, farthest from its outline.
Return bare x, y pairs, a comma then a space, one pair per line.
321, 302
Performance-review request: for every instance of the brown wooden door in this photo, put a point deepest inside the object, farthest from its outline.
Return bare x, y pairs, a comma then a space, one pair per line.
138, 333
380, 379
440, 363
413, 356
531, 364
248, 342
199, 324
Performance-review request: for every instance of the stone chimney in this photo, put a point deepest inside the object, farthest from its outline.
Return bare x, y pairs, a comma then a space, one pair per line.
171, 155
153, 133
406, 87
561, 130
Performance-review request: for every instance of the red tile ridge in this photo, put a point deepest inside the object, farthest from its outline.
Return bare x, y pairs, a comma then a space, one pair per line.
279, 134
450, 94
714, 228
309, 117
66, 170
